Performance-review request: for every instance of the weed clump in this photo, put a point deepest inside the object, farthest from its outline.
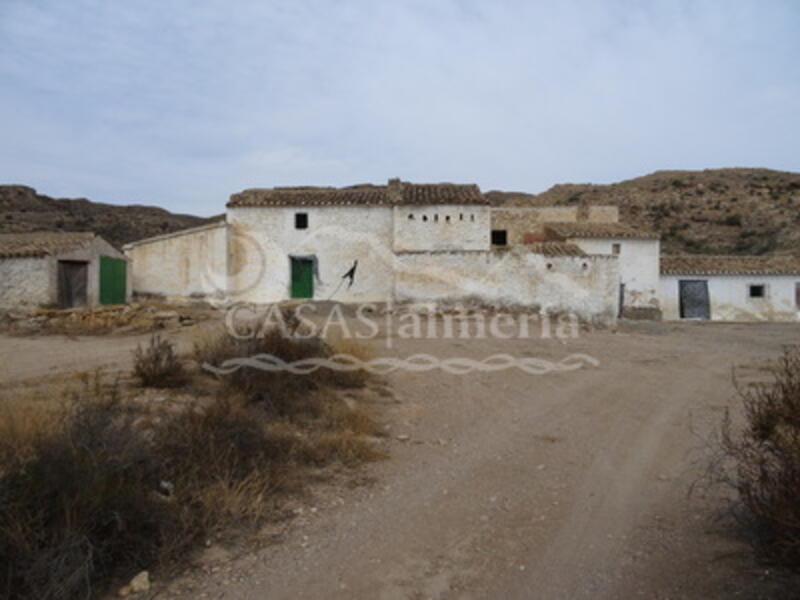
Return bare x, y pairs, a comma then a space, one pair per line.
763, 461
158, 365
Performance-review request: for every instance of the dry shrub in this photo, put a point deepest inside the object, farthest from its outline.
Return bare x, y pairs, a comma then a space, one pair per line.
81, 507
158, 365
282, 391
764, 461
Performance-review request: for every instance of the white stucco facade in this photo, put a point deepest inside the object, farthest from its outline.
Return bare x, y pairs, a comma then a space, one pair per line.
730, 298
440, 227
190, 263
638, 267
263, 241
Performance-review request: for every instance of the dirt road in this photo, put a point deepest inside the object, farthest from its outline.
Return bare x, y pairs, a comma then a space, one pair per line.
566, 485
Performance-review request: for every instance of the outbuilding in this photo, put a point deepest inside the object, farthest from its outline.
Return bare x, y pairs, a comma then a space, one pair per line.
637, 251
60, 269
730, 288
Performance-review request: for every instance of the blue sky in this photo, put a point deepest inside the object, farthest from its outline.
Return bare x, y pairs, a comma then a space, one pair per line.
179, 103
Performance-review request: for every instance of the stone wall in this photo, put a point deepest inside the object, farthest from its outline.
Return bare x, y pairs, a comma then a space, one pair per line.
26, 282
525, 224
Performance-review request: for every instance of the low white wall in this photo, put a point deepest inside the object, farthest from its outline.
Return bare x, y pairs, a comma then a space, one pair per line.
638, 267
729, 297
191, 263
26, 282
585, 286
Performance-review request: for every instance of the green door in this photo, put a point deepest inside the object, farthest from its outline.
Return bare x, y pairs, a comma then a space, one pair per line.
302, 278
112, 280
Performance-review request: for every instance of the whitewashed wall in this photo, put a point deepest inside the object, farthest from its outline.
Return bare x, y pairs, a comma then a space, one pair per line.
419, 228
586, 286
26, 282
638, 267
190, 263
262, 240
730, 301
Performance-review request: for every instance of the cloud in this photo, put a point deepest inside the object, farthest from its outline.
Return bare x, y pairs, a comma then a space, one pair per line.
182, 103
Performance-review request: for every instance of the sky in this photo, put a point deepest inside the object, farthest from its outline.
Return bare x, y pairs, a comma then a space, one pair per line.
180, 103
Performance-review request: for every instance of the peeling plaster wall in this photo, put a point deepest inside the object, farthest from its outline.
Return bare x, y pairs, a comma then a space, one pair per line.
262, 239
441, 227
586, 286
638, 267
191, 263
730, 301
26, 282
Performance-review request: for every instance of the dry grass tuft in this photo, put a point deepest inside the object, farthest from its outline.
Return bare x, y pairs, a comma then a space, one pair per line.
761, 460
158, 364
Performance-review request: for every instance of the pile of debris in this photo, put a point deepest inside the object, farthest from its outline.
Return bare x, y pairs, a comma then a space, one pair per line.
130, 318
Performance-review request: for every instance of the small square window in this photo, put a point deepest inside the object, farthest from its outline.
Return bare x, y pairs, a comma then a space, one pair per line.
615, 249
499, 237
758, 291
301, 220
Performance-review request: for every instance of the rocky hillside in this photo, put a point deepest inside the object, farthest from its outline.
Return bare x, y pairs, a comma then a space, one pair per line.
22, 209
716, 211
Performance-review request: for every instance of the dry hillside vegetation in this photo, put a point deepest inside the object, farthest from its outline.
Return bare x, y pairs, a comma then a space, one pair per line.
716, 211
22, 209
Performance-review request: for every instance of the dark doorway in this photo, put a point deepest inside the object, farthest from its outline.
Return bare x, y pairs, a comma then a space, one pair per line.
73, 277
302, 278
499, 237
694, 301
621, 299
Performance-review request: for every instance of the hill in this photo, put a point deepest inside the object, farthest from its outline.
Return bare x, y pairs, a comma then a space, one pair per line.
23, 209
716, 211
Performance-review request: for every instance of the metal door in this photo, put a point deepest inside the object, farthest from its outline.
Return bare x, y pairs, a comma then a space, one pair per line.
302, 278
112, 280
694, 300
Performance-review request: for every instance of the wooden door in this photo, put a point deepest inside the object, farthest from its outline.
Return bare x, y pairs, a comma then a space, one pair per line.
73, 277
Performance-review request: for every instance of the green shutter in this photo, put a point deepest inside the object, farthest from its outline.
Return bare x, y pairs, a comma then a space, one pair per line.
302, 278
113, 277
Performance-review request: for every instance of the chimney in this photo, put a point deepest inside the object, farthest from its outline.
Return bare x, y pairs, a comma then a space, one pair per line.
395, 190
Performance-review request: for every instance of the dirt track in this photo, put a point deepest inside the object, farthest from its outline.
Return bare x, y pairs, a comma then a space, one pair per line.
566, 485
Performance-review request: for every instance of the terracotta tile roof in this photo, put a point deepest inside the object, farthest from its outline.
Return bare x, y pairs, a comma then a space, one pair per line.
397, 192
598, 230
696, 264
441, 193
41, 243
555, 249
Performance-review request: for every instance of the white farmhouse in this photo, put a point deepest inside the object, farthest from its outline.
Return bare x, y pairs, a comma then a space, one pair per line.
45, 269
730, 288
371, 243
